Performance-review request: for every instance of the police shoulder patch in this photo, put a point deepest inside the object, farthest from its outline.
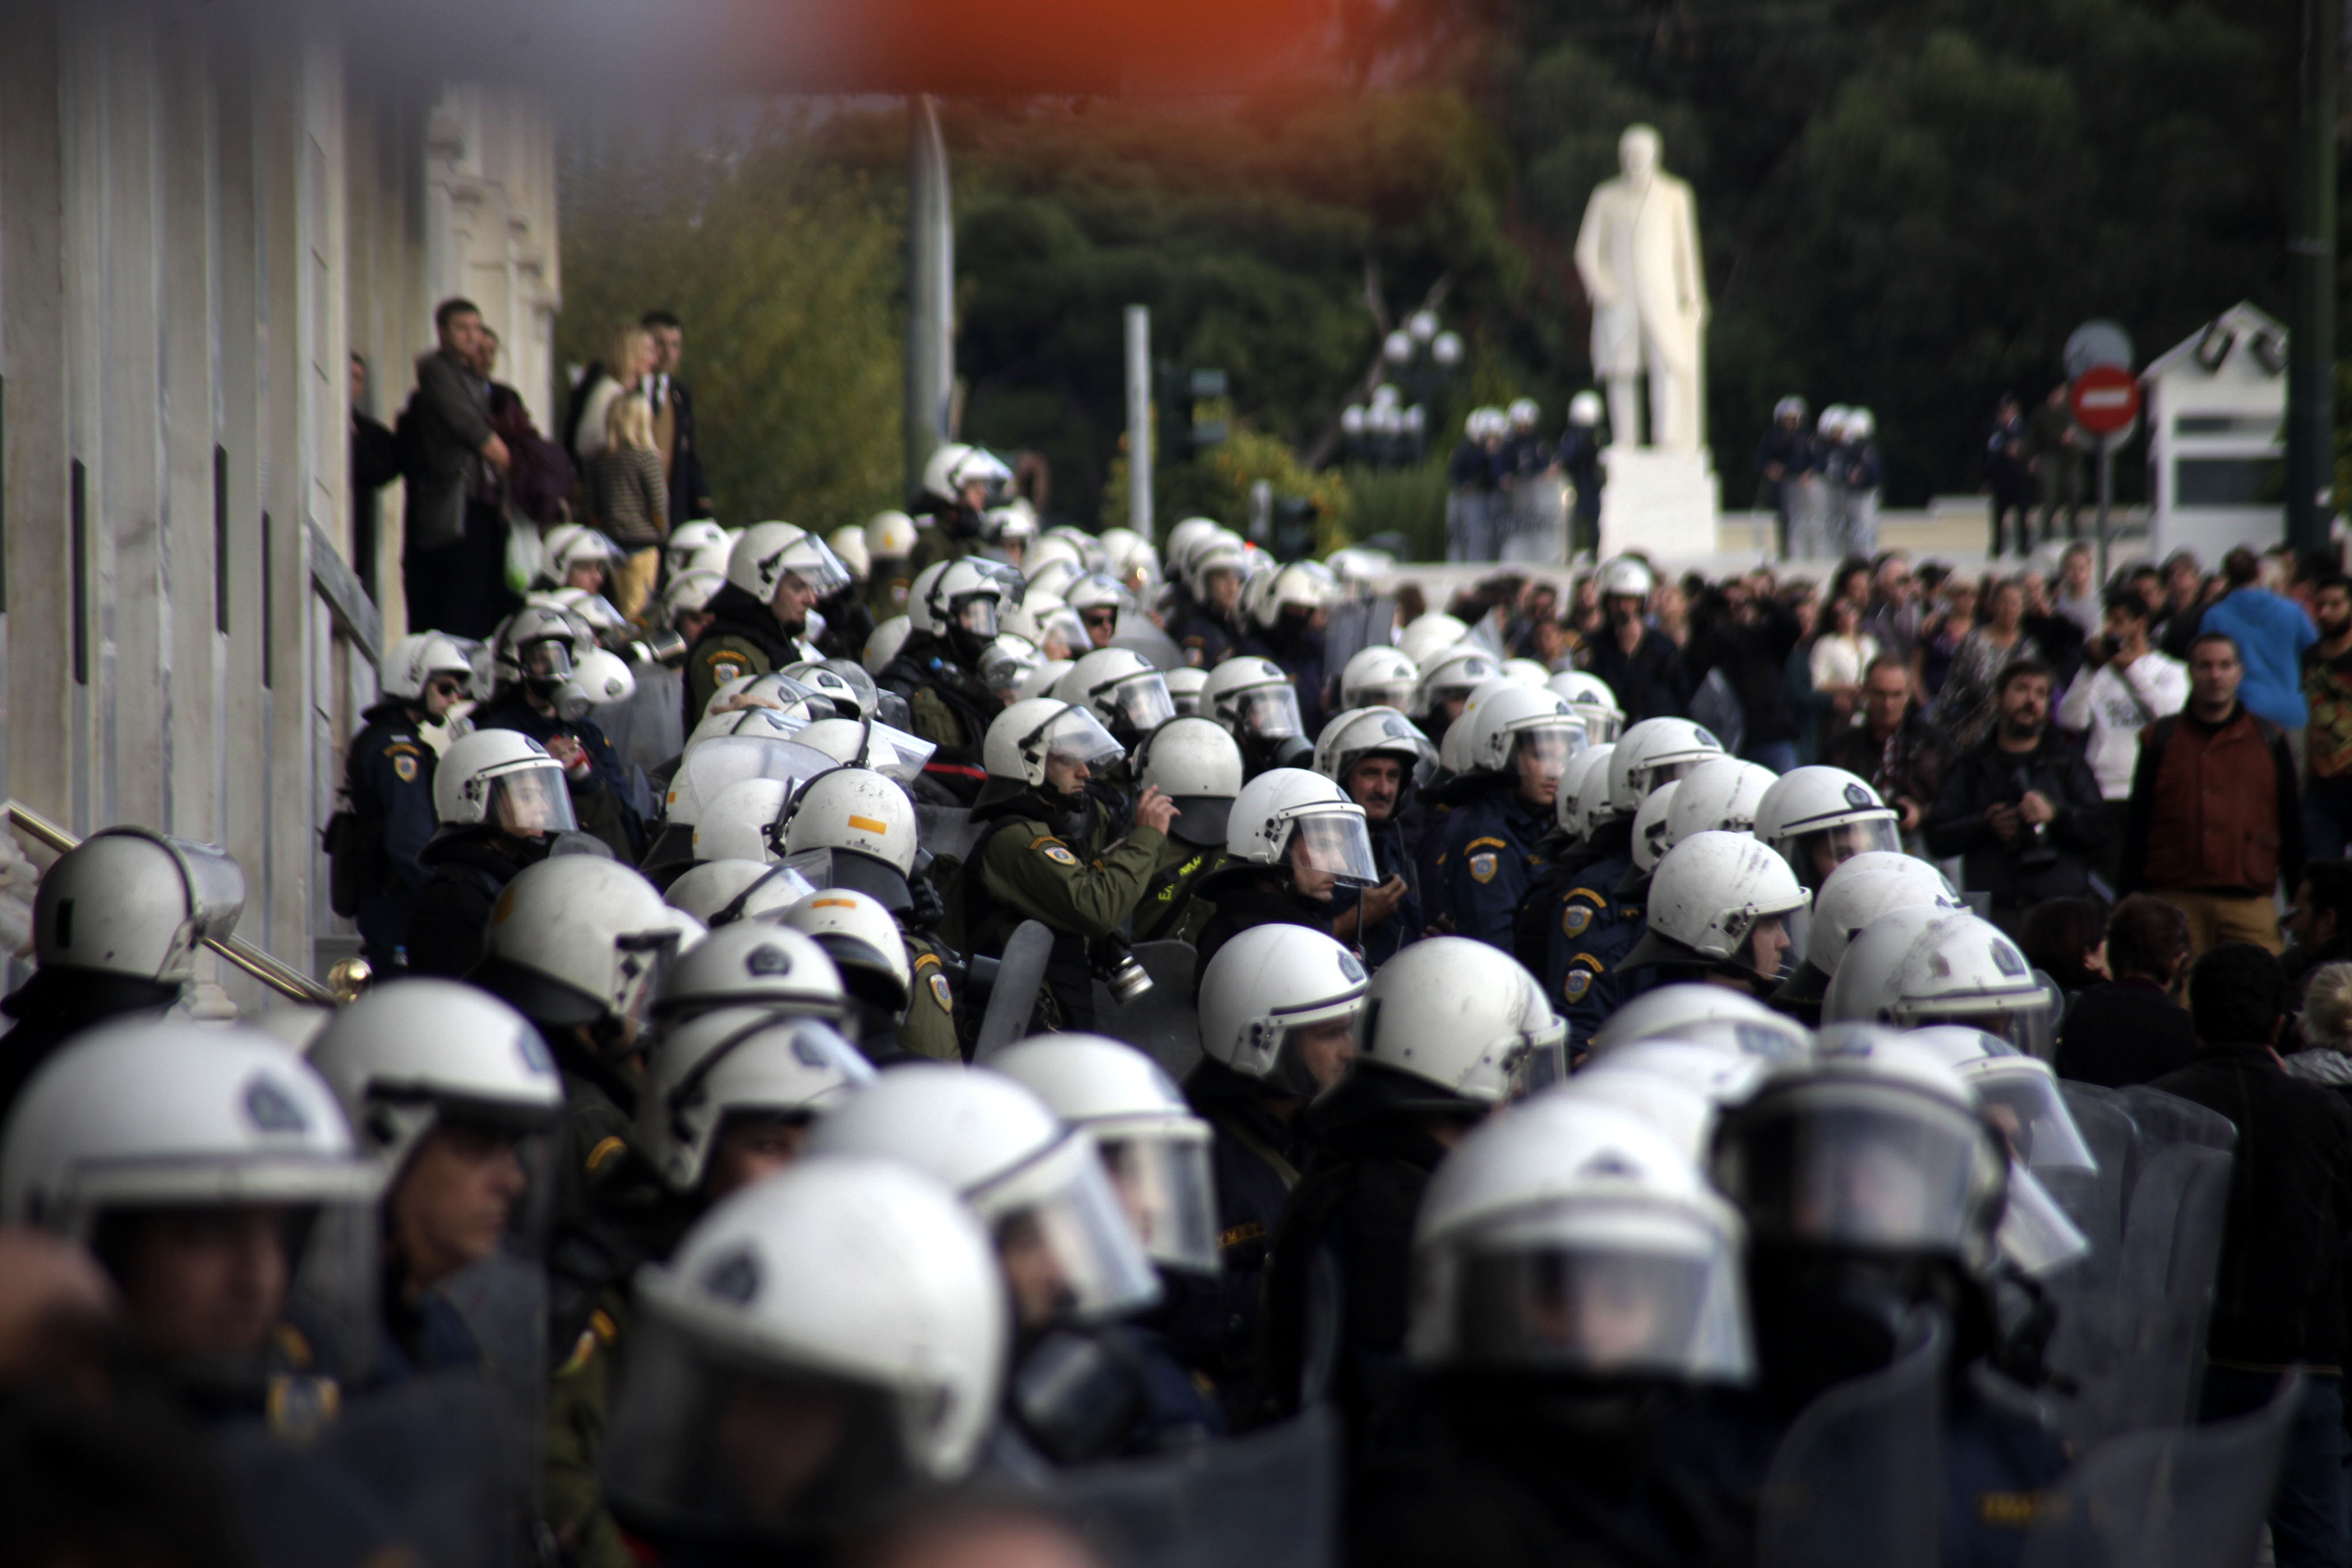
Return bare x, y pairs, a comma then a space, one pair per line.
1575, 921
941, 993
403, 768
1060, 855
1578, 982
1483, 865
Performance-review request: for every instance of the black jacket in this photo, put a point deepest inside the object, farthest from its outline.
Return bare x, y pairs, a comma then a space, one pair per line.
1243, 901
2277, 1297
1217, 1328
469, 868
1754, 658
2124, 1032
57, 1003
1985, 775
1650, 683
442, 432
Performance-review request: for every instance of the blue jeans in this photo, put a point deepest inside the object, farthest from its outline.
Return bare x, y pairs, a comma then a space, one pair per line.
2326, 818
2311, 1512
1781, 756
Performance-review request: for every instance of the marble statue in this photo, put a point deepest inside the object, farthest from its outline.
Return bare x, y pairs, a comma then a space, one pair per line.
1638, 255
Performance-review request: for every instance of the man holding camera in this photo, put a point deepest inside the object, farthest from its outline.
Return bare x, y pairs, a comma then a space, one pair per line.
2215, 817
2021, 806
2127, 685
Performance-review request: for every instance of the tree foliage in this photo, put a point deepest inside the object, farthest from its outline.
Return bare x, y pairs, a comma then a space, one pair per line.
786, 268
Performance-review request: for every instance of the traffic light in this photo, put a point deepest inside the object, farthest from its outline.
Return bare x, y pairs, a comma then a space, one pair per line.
1188, 422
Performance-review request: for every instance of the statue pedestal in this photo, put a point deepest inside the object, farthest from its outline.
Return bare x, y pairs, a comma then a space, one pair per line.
1662, 503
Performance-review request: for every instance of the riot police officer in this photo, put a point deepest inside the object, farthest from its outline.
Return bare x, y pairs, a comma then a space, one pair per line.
956, 606
1254, 698
1196, 764
1451, 1028
730, 1097
889, 543
1520, 743
1719, 912
858, 934
1287, 628
1380, 759
1818, 817
537, 650
961, 484
1859, 892
1028, 864
116, 924
1210, 628
1292, 840
776, 575
388, 779
1280, 1008
501, 800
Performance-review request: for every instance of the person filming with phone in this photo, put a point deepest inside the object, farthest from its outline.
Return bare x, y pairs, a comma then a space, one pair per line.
2021, 806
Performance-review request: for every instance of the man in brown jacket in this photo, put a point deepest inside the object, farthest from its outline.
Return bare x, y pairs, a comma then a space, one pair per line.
2214, 821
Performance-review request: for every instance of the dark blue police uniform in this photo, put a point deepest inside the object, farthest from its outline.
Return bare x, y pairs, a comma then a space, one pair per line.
1384, 941
389, 776
1490, 857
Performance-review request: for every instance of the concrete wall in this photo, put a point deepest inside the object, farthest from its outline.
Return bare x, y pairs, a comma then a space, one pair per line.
198, 225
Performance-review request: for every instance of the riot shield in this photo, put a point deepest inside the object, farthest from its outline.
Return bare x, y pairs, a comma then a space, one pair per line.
2183, 1497
503, 1302
1858, 1480
416, 1474
1353, 626
945, 830
1138, 634
2168, 1118
1270, 1499
1163, 1020
2089, 1350
1013, 999
2172, 1244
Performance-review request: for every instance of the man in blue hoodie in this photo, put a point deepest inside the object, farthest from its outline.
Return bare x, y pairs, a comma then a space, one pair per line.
2271, 631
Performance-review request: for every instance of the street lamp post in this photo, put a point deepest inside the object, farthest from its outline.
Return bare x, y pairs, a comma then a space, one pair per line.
1418, 362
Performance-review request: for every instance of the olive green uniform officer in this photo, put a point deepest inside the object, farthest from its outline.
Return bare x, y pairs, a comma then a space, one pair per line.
1168, 911
960, 483
1197, 765
928, 1029
775, 575
954, 611
1041, 753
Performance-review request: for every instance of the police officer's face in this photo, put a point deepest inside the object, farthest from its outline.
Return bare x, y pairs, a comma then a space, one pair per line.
587, 574
1102, 624
1066, 776
750, 1149
442, 693
1224, 587
1538, 759
206, 1283
1310, 882
1325, 1050
1375, 784
1768, 944
452, 1201
1040, 1290
794, 599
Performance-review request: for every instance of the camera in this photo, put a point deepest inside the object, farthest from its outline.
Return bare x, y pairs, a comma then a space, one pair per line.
1129, 981
647, 645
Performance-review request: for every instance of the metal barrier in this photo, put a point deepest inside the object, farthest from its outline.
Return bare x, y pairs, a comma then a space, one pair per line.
290, 984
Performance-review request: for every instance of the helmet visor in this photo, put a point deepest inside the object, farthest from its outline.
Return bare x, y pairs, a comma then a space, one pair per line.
215, 886
1075, 735
548, 658
1538, 1064
1162, 1180
532, 803
641, 961
1336, 843
1269, 712
813, 562
1396, 694
1069, 1252
709, 1446
1550, 743
895, 753
1815, 855
2026, 1022
1142, 701
1647, 779
1602, 727
2035, 1233
1860, 1165
1610, 1294
976, 614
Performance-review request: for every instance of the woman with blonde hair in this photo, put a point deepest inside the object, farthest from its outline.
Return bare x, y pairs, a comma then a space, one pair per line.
2325, 1028
628, 499
626, 365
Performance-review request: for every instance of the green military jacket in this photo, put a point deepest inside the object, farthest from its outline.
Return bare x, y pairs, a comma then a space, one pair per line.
1026, 872
938, 543
928, 1029
715, 661
1168, 911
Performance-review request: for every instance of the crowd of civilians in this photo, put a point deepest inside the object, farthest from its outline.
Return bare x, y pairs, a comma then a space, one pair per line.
477, 472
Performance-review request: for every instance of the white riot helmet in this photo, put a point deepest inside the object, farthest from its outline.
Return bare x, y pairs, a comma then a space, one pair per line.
720, 892
1652, 828
1705, 1014
765, 552
1046, 623
1292, 819
1378, 677
868, 952
1519, 723
1185, 685
883, 645
1197, 765
1594, 703
1221, 552
1428, 636
416, 659
1451, 676
847, 685
1185, 535
1263, 987
955, 466
599, 679
1527, 673
1040, 682
1040, 1186
753, 963
850, 1310
847, 544
688, 542
1303, 585
1878, 1151
504, 779
1007, 662
1054, 570
570, 544
1097, 591
1832, 422
1021, 739
1524, 413
1464, 1016
1254, 698
1860, 425
1124, 689
130, 902
1707, 899
1348, 738
1856, 894
1720, 794
1453, 746
537, 646
1571, 1237
1675, 1109
579, 939
736, 1063
690, 593
1819, 817
1791, 408
1677, 1086
890, 536
745, 821
1156, 1149
1624, 577
1585, 409
963, 603
1923, 965
1652, 753
853, 828
1583, 797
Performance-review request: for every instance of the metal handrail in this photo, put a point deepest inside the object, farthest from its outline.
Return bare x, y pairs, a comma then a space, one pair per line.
290, 984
